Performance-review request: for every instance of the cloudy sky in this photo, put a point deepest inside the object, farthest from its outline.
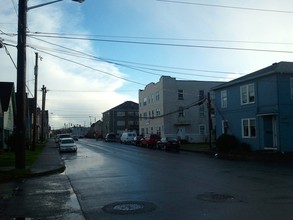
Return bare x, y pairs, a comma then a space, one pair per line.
98, 54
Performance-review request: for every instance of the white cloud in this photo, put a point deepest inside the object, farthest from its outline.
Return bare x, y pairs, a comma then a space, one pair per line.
69, 98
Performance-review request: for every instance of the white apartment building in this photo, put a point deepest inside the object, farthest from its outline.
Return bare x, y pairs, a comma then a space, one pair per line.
175, 108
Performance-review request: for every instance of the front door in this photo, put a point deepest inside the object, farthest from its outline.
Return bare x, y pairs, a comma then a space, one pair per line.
270, 131
181, 133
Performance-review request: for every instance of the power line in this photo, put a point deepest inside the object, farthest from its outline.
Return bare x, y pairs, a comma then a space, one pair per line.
226, 6
156, 38
168, 44
141, 69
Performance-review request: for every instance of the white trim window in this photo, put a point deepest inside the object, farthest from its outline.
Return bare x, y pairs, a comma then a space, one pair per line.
224, 98
291, 87
180, 94
202, 129
248, 127
247, 94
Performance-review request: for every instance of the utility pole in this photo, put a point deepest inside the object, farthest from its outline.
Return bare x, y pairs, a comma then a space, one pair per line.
44, 90
210, 120
35, 104
21, 86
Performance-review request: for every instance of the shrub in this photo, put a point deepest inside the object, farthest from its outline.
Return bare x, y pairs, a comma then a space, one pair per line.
244, 148
227, 143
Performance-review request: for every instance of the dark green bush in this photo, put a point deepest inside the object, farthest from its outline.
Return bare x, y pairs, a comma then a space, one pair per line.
227, 143
244, 148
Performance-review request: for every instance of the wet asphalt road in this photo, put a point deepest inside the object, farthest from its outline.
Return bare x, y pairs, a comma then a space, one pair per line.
114, 181
110, 177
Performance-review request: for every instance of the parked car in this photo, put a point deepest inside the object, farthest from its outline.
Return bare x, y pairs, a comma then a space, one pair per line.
169, 144
110, 137
150, 141
127, 137
137, 140
59, 136
67, 144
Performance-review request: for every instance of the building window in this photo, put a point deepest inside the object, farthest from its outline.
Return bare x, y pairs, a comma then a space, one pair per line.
157, 96
181, 112
202, 129
201, 111
158, 112
145, 115
224, 99
120, 123
120, 114
247, 94
249, 128
291, 87
144, 101
180, 94
201, 94
225, 126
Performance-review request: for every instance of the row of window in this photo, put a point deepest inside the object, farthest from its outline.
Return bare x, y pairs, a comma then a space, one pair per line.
248, 126
157, 130
247, 95
151, 114
151, 99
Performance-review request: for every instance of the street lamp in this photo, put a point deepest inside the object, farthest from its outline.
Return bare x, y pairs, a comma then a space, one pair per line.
21, 81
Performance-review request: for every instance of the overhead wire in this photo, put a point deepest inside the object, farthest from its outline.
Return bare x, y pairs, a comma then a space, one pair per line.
141, 69
166, 44
227, 6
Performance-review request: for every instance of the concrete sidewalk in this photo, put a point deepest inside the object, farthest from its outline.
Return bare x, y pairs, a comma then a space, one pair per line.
49, 161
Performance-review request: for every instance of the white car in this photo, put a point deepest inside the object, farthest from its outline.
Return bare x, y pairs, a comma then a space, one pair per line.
67, 144
127, 137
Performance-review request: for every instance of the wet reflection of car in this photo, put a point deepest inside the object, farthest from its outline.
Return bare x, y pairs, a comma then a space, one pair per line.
67, 144
169, 144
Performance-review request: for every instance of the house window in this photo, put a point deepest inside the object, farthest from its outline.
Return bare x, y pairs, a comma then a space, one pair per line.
224, 99
202, 129
249, 128
291, 87
180, 94
201, 111
247, 94
225, 126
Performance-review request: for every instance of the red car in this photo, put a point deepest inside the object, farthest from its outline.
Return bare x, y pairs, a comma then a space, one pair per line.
150, 141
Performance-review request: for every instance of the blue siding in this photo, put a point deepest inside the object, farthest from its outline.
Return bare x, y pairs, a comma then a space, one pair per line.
272, 109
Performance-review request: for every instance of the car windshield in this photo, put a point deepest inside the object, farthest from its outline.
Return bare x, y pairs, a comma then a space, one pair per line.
67, 141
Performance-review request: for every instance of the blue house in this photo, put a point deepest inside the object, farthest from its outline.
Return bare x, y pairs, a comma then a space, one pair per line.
258, 108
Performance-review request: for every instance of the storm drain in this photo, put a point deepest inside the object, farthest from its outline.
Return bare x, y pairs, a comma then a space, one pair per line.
129, 207
216, 197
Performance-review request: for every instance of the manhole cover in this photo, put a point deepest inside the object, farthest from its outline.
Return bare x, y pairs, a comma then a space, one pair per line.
216, 197
129, 207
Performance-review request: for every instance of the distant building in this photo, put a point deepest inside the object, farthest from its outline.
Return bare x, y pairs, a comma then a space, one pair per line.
258, 108
175, 108
120, 118
7, 113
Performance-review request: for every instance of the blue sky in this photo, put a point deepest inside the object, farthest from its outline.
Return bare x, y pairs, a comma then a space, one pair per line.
183, 39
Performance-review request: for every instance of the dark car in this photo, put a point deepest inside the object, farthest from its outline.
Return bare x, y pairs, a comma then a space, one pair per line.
110, 137
150, 141
137, 140
169, 144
